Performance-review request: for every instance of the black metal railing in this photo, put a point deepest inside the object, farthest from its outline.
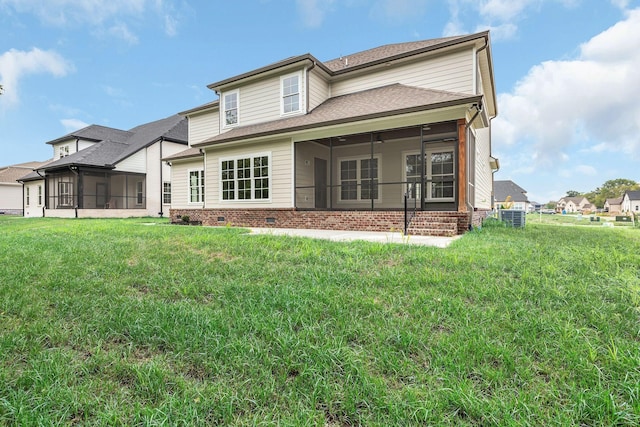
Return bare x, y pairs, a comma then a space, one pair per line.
409, 214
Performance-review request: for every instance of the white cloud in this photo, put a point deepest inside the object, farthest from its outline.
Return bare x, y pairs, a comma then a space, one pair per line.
104, 17
313, 12
71, 125
592, 99
15, 64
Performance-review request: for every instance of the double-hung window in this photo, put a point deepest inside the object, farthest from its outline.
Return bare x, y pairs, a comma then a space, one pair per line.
65, 195
39, 195
439, 167
359, 179
64, 151
166, 193
290, 89
27, 196
139, 192
246, 178
231, 105
196, 186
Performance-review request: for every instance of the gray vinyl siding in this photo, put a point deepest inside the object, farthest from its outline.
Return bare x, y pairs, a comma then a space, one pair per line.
281, 174
452, 72
203, 125
319, 89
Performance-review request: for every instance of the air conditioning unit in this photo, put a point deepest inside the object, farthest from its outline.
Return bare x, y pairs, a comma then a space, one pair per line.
513, 218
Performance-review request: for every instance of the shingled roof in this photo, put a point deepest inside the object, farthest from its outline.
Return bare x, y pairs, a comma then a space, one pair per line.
506, 188
95, 133
368, 104
107, 153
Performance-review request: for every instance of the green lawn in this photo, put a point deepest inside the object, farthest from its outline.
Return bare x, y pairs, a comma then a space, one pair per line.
125, 322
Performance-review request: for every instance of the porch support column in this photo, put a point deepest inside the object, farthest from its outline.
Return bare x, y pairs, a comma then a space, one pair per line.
462, 166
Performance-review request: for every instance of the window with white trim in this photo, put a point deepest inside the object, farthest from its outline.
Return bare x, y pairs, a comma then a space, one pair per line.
230, 101
65, 195
290, 90
39, 195
166, 192
246, 178
359, 178
440, 173
64, 151
196, 186
139, 192
439, 167
27, 196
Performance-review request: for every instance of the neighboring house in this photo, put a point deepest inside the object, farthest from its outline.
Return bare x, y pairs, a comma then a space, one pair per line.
104, 172
11, 190
613, 206
516, 195
631, 202
338, 144
574, 204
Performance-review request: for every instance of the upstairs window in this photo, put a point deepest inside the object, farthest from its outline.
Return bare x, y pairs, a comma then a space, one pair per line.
64, 151
290, 87
231, 108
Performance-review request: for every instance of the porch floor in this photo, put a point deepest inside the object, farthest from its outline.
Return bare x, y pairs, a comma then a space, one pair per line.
348, 236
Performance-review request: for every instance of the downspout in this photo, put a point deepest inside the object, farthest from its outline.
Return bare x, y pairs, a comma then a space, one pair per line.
24, 208
77, 188
313, 65
77, 144
161, 213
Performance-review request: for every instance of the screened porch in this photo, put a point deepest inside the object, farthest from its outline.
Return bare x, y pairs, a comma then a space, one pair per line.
380, 170
95, 189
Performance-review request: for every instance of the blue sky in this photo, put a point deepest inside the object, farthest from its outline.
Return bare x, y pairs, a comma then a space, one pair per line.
566, 70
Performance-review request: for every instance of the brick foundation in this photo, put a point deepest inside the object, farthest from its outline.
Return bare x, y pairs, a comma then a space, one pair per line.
440, 223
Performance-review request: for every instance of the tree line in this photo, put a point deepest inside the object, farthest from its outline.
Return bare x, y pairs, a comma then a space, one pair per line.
609, 190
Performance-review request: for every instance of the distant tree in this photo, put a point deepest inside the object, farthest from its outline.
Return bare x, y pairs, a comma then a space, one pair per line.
610, 190
573, 193
550, 205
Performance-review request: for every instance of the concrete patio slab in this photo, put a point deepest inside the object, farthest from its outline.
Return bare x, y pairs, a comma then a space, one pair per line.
348, 236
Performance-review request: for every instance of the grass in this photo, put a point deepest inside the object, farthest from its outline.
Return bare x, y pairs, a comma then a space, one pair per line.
137, 322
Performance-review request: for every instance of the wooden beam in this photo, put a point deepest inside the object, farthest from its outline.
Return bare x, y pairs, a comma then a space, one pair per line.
462, 165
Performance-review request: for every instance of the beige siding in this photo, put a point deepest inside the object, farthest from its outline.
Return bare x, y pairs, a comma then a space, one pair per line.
451, 72
134, 163
260, 101
180, 183
203, 126
484, 176
281, 174
319, 89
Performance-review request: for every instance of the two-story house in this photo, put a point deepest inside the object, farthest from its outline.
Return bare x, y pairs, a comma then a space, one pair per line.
346, 143
574, 204
99, 171
509, 195
631, 202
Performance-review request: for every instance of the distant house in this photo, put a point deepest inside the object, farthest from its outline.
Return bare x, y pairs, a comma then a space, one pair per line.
614, 205
340, 144
631, 202
11, 189
509, 195
574, 204
105, 172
